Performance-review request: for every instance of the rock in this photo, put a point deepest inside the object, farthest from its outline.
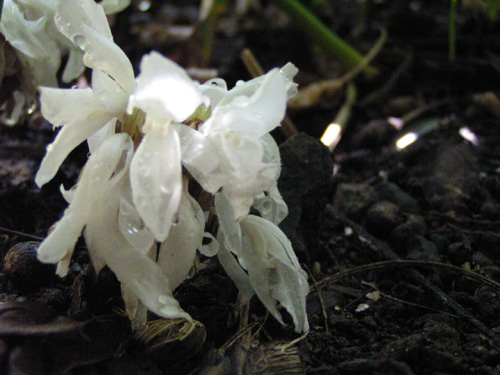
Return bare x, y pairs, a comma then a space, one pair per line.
171, 341
376, 133
354, 199
42, 342
22, 267
413, 226
383, 217
305, 183
393, 193
422, 249
490, 210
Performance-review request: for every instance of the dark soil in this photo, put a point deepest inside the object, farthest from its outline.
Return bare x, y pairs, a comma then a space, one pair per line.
402, 245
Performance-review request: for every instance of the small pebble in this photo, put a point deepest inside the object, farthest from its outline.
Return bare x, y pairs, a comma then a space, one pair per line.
413, 226
354, 199
382, 217
421, 248
23, 269
393, 193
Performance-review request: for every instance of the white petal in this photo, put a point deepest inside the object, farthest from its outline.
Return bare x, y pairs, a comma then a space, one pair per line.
228, 225
95, 140
215, 89
177, 252
235, 272
98, 170
289, 71
286, 280
21, 33
114, 6
74, 67
164, 90
212, 248
259, 267
155, 177
81, 115
132, 227
271, 206
249, 176
138, 274
255, 115
71, 15
86, 25
202, 159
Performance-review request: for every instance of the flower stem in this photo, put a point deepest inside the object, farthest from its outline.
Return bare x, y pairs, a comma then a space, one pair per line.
318, 32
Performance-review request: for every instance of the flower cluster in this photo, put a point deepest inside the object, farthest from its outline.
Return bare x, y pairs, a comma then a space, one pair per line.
151, 139
30, 28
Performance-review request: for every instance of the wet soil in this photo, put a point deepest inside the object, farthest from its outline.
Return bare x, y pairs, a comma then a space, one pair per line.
402, 245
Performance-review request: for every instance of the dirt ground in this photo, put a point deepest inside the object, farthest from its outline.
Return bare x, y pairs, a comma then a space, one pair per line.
401, 244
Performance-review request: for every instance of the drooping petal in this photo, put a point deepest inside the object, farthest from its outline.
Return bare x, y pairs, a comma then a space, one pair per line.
132, 227
248, 175
271, 206
85, 24
98, 170
165, 91
259, 267
95, 140
155, 178
38, 51
202, 159
74, 67
24, 35
138, 274
242, 166
277, 271
228, 225
71, 15
234, 271
80, 113
177, 252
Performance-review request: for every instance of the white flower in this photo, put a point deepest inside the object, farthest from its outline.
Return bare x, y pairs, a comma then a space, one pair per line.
82, 112
155, 172
232, 152
132, 201
30, 27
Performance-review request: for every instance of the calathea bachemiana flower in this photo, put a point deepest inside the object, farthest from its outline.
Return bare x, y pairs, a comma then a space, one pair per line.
165, 121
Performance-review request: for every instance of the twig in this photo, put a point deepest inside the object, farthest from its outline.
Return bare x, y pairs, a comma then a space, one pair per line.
320, 298
17, 233
387, 252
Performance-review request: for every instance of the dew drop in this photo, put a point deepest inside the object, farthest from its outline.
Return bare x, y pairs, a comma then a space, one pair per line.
80, 41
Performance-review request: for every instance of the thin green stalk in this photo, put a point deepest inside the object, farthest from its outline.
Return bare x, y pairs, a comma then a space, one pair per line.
1, 8
452, 38
319, 33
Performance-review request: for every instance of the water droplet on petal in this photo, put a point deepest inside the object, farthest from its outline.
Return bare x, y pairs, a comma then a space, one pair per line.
80, 41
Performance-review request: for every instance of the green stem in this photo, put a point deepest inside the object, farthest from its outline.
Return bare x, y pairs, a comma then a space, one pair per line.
1, 8
318, 32
452, 38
